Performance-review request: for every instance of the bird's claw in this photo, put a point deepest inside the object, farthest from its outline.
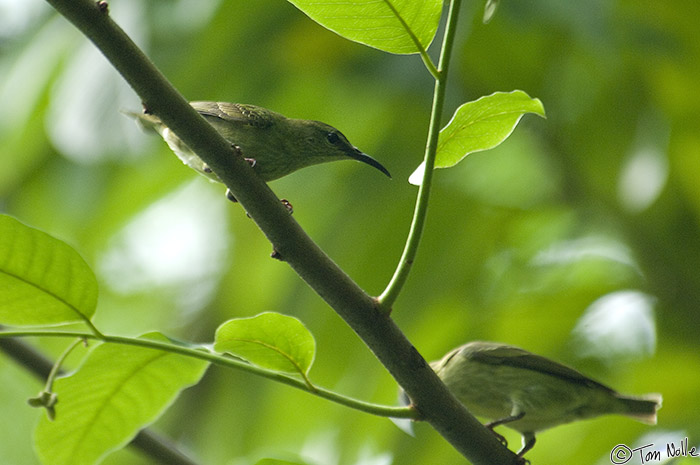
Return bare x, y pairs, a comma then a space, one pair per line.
500, 437
230, 196
276, 255
287, 204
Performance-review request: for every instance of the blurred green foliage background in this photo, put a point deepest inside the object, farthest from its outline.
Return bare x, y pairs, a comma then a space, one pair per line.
578, 238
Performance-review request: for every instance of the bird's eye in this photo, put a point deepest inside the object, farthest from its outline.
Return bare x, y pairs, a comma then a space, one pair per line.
333, 138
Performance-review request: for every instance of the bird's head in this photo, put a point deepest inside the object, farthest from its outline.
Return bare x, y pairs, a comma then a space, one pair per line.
321, 142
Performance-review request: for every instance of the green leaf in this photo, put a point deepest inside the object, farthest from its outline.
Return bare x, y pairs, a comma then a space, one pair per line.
43, 281
483, 124
117, 391
269, 340
395, 26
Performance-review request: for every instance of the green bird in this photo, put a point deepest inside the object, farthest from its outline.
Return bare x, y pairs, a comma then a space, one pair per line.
530, 393
274, 144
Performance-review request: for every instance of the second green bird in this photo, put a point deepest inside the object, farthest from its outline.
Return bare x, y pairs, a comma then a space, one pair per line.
530, 393
275, 145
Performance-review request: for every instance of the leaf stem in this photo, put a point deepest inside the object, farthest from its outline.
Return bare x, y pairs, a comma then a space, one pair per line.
391, 293
47, 398
98, 334
203, 353
55, 370
429, 63
419, 46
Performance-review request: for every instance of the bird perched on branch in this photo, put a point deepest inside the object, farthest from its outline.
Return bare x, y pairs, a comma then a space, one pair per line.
274, 144
530, 393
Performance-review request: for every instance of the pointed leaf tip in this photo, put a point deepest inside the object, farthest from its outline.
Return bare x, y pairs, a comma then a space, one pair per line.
490, 10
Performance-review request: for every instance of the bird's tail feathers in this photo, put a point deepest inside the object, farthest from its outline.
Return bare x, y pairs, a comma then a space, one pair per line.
642, 408
145, 120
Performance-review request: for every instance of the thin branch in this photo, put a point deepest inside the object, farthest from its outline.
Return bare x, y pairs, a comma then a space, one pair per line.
56, 369
200, 353
388, 297
360, 311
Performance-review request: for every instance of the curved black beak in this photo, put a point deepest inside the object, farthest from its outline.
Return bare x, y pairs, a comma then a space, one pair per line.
364, 158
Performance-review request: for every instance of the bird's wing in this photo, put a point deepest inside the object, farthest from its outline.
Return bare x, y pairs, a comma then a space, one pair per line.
235, 112
520, 358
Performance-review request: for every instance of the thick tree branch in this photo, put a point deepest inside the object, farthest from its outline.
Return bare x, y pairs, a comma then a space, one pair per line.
358, 309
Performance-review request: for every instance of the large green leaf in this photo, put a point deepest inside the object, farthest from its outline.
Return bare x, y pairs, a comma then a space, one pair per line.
116, 392
42, 280
480, 125
396, 26
483, 124
269, 340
